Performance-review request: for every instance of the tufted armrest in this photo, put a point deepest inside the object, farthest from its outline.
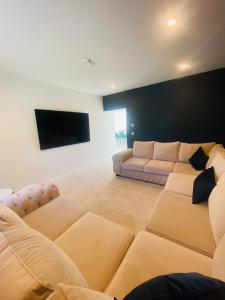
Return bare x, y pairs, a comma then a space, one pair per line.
119, 158
31, 197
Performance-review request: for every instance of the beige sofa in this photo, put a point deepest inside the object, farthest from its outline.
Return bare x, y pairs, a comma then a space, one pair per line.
101, 255
154, 161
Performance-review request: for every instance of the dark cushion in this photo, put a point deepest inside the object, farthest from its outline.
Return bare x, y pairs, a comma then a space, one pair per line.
203, 185
199, 159
179, 286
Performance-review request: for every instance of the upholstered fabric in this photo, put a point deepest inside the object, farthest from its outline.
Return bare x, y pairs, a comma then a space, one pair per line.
185, 168
212, 153
218, 162
143, 149
187, 150
97, 247
148, 177
159, 167
61, 212
176, 218
150, 256
119, 158
134, 163
166, 151
217, 211
218, 266
180, 183
30, 198
70, 292
31, 265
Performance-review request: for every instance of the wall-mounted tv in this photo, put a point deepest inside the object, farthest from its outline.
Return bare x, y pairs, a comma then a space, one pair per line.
61, 128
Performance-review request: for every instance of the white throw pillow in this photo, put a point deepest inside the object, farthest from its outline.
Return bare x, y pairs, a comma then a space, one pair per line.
143, 149
31, 264
68, 292
187, 150
166, 151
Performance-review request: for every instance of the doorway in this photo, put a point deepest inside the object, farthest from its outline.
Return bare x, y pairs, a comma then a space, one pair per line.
120, 129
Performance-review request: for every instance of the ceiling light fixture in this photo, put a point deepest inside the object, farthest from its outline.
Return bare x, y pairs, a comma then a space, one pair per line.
184, 66
171, 22
112, 85
86, 61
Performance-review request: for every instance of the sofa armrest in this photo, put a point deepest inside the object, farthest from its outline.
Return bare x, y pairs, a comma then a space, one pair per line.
119, 158
31, 197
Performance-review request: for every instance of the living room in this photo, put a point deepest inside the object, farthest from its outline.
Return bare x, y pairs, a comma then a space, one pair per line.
82, 214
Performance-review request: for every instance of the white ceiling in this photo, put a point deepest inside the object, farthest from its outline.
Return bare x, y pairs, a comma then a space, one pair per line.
128, 39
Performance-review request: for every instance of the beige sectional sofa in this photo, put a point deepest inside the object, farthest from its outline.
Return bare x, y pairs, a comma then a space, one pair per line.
154, 161
180, 237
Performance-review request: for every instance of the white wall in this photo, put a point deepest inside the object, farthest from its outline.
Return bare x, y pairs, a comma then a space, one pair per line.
21, 160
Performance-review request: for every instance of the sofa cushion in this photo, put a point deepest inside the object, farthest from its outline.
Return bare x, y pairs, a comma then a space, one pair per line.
179, 286
180, 183
31, 265
135, 164
218, 163
203, 185
143, 149
166, 151
212, 153
101, 247
217, 211
159, 167
62, 212
176, 218
185, 168
187, 150
218, 266
150, 256
71, 292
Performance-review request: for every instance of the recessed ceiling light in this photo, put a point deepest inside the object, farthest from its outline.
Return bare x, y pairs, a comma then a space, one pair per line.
171, 22
184, 66
86, 61
112, 85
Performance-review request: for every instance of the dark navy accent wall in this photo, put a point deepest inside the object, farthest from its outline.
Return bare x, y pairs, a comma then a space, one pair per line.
190, 109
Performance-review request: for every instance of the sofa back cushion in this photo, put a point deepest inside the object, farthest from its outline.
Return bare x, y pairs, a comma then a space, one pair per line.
187, 150
212, 153
218, 163
143, 149
217, 210
31, 265
218, 266
166, 151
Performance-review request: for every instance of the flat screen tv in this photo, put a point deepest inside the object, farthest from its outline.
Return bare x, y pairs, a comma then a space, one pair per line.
61, 128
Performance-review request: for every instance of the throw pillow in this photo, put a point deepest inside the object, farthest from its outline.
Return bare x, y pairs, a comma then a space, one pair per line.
204, 183
199, 159
179, 286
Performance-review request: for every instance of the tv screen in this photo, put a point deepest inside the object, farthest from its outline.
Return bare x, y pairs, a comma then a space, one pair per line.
61, 128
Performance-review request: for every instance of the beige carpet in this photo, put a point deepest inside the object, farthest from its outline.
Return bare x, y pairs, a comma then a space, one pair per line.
125, 201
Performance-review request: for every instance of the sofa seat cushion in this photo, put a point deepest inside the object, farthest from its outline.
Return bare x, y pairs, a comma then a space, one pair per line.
135, 164
159, 167
143, 149
31, 264
185, 168
166, 151
97, 247
176, 218
55, 217
150, 256
180, 183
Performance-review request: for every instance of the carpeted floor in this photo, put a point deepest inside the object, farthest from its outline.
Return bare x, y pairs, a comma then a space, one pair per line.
124, 201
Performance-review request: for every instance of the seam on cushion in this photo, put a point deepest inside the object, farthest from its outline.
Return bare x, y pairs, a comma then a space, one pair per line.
62, 292
183, 244
44, 284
